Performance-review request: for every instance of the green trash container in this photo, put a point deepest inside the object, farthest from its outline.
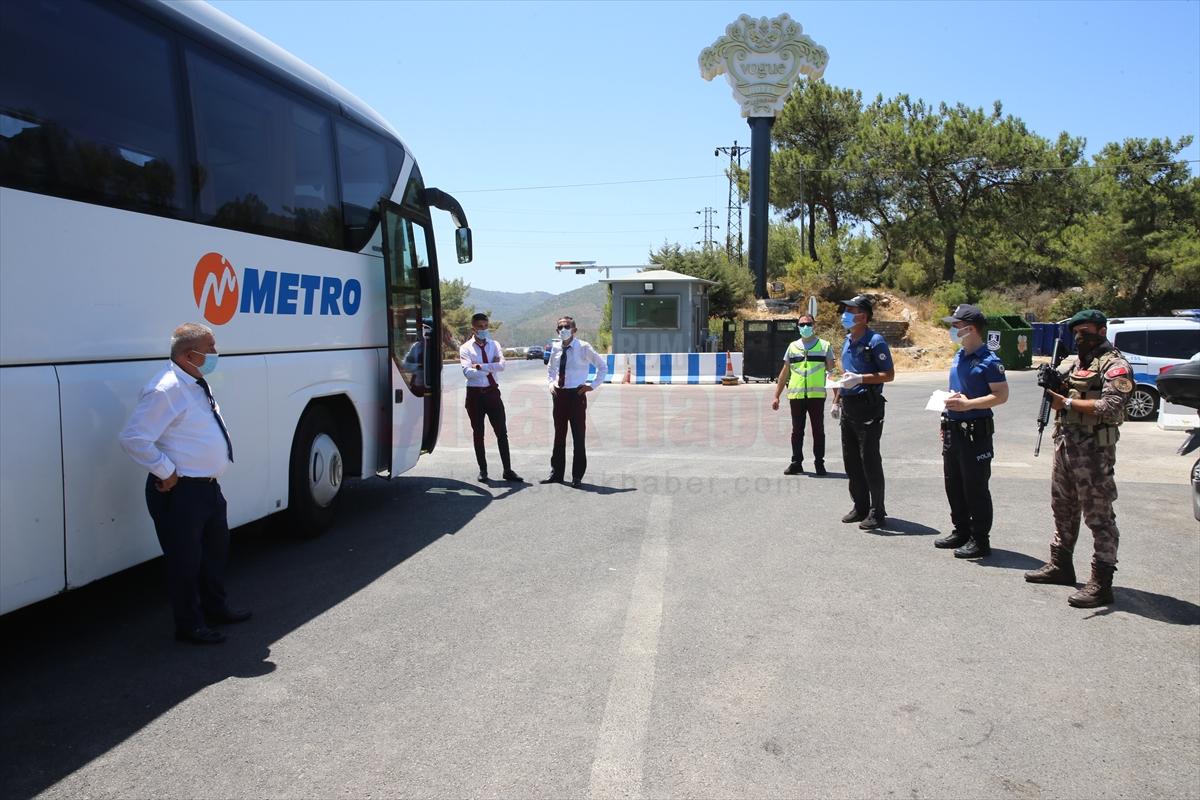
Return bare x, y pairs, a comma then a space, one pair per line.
1010, 337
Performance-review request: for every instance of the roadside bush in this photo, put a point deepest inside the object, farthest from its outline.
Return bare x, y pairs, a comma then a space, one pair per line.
947, 296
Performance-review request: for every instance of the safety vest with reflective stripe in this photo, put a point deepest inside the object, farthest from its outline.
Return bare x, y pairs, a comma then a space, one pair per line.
807, 368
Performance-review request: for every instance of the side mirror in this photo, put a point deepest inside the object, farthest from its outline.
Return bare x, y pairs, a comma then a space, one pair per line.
462, 243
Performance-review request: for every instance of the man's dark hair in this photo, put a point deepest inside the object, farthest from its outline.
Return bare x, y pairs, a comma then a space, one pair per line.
568, 319
802, 317
480, 317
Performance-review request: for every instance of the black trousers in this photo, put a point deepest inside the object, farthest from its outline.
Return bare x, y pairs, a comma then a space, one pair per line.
194, 534
814, 409
486, 402
967, 468
570, 408
862, 427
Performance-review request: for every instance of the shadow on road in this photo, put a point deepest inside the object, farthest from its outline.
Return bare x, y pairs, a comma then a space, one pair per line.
894, 526
596, 489
84, 671
1158, 607
1008, 559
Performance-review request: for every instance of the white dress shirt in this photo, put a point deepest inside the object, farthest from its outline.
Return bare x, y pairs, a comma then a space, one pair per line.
579, 356
472, 352
173, 429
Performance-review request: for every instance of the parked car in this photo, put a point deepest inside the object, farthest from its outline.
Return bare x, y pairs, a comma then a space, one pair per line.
548, 350
533, 352
1149, 344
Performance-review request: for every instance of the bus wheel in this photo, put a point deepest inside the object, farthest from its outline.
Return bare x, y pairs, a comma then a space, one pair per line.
315, 480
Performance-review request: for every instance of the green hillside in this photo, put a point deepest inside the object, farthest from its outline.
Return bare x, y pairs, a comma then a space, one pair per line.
536, 325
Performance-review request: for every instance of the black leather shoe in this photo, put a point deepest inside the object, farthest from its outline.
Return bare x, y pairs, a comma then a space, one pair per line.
552, 479
512, 477
976, 548
871, 522
576, 483
200, 636
821, 469
230, 616
483, 478
952, 540
794, 468
854, 516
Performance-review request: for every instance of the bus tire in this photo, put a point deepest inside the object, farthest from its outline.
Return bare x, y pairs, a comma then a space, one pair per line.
315, 474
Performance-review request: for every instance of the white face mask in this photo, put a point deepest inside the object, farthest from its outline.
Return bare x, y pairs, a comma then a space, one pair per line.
564, 333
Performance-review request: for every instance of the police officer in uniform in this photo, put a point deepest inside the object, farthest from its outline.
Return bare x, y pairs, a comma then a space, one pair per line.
867, 364
804, 367
1094, 388
977, 384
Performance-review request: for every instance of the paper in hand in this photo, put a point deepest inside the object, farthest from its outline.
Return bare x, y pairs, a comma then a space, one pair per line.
937, 401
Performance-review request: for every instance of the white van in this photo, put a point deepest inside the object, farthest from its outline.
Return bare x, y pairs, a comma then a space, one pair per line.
1149, 344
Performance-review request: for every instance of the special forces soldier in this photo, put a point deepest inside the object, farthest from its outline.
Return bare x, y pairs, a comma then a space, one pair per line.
1089, 393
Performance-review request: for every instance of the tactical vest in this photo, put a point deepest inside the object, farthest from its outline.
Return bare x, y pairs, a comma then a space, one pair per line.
1088, 384
807, 368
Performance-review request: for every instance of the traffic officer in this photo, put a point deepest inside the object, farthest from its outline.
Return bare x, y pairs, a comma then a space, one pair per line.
567, 375
1096, 385
805, 364
867, 364
481, 357
977, 384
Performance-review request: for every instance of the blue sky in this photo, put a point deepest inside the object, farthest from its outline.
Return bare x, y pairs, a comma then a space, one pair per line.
500, 95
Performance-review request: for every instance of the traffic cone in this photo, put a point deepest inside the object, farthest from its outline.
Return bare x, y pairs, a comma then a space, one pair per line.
628, 371
730, 379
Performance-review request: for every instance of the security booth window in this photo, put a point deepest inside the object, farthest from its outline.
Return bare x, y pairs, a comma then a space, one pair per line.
652, 312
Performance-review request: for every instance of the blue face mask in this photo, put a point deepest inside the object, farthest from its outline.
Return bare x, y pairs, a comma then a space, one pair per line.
482, 335
806, 331
957, 335
210, 363
848, 319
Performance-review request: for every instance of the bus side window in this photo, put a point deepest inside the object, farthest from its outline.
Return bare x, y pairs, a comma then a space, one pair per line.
70, 127
265, 156
369, 167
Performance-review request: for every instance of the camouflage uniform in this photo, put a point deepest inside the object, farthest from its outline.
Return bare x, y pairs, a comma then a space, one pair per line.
1085, 451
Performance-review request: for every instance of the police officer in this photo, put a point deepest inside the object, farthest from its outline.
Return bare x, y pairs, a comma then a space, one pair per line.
805, 364
977, 384
867, 364
1095, 386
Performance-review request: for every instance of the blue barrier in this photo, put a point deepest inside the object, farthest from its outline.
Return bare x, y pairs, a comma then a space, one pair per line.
689, 368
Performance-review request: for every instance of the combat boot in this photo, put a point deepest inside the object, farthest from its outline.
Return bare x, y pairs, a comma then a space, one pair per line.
1097, 591
952, 540
1058, 570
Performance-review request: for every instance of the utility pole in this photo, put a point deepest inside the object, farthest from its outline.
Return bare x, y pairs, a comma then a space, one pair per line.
708, 226
733, 220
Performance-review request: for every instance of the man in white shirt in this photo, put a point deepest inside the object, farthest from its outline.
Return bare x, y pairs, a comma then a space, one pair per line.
481, 358
567, 374
178, 435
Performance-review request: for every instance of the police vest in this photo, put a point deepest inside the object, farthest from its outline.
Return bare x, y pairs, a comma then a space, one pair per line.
807, 368
1088, 384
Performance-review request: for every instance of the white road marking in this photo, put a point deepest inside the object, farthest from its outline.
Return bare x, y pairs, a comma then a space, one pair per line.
620, 746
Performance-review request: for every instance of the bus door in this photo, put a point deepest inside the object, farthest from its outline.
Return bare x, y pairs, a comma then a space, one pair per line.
414, 328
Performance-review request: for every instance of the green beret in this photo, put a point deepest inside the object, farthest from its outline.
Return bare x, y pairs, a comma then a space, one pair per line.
1088, 315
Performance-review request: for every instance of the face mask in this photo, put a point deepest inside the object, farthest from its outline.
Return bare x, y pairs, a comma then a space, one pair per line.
957, 335
564, 333
848, 319
1087, 342
210, 363
806, 331
482, 335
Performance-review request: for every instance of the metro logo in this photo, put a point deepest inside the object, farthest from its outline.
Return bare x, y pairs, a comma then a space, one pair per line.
215, 287
217, 292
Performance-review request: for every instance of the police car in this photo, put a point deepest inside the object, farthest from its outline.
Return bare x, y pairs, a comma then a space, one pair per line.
1149, 344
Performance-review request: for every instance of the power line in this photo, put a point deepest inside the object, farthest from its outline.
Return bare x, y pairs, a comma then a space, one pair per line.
584, 185
708, 226
733, 219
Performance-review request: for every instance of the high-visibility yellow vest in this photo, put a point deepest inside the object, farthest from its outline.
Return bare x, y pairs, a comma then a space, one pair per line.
807, 368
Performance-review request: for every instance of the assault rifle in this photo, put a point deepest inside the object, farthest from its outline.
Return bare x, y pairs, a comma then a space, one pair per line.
1050, 381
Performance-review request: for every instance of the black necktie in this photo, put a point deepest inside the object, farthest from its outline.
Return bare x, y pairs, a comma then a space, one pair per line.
212, 404
562, 367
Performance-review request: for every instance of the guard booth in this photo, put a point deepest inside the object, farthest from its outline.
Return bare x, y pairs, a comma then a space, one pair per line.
764, 341
1011, 338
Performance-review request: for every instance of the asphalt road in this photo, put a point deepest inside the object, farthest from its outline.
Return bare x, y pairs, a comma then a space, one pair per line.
690, 623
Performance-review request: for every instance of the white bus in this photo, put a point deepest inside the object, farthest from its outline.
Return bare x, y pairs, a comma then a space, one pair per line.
161, 163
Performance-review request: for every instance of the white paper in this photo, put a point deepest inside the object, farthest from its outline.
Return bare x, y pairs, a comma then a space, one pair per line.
937, 401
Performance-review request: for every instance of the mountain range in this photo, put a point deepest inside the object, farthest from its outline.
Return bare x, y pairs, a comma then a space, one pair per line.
529, 317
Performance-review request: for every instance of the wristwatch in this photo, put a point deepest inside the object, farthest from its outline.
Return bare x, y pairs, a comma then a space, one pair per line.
1067, 403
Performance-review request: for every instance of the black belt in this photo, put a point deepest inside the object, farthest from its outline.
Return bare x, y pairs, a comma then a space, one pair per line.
197, 480
978, 425
481, 388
